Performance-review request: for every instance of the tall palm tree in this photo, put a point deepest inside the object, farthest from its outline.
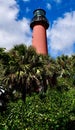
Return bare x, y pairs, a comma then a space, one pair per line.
28, 72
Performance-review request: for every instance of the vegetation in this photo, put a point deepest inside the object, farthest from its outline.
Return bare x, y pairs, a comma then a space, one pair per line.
38, 92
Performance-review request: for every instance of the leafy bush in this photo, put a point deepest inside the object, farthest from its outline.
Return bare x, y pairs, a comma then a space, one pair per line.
51, 111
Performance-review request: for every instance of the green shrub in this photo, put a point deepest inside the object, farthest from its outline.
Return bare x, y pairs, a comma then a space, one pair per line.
53, 111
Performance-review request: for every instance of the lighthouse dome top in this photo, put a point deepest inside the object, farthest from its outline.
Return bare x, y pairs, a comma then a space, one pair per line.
39, 18
39, 12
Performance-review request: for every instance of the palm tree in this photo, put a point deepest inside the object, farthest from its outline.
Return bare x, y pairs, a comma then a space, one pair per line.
18, 71
28, 72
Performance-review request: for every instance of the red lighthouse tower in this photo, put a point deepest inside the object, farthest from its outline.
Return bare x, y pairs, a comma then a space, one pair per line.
39, 24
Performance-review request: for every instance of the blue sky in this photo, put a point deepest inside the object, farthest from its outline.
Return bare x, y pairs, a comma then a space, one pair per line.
15, 17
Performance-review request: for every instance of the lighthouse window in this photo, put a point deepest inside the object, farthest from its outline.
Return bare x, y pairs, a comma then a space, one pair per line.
39, 12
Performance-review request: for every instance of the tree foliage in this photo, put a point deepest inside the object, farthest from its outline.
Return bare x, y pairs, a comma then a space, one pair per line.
53, 112
39, 90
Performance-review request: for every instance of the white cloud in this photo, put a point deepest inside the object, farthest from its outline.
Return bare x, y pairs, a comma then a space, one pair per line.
48, 5
62, 34
12, 31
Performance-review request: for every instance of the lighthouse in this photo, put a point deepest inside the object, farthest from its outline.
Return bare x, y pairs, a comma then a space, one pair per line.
39, 24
